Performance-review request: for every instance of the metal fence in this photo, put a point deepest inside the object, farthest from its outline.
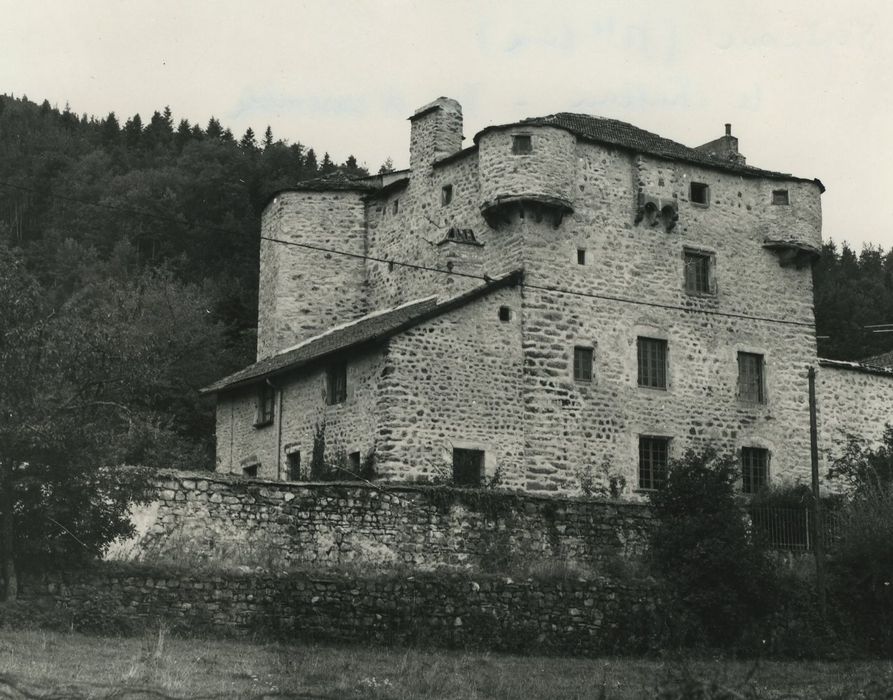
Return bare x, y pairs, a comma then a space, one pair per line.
792, 528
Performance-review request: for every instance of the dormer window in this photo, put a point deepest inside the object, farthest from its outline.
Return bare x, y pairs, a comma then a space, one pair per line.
699, 193
522, 144
446, 195
780, 197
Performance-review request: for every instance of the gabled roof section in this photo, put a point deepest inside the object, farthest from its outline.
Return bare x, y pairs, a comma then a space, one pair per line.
368, 329
617, 133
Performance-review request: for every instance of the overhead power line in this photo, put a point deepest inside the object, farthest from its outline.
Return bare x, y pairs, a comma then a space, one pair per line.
415, 266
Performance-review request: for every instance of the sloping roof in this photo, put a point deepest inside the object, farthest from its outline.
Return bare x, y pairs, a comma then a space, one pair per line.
618, 133
857, 367
370, 328
885, 359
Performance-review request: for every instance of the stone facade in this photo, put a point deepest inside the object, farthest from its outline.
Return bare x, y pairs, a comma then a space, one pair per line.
605, 221
855, 400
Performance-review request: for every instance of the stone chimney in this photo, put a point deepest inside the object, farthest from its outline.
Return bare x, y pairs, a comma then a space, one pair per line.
724, 148
436, 133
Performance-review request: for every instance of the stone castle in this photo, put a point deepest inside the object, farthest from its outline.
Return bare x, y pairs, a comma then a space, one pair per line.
566, 304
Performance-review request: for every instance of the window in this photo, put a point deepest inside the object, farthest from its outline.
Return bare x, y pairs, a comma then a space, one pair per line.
250, 471
698, 267
293, 460
654, 456
522, 144
780, 197
266, 405
699, 193
446, 195
336, 384
468, 467
750, 377
652, 360
582, 364
395, 207
581, 256
505, 313
754, 469
353, 463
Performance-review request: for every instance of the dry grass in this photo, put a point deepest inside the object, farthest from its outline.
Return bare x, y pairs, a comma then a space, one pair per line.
156, 666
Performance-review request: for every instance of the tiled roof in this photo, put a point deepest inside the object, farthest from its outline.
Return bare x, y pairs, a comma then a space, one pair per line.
369, 328
618, 133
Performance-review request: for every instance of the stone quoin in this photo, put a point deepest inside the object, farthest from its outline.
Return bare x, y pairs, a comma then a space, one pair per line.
562, 306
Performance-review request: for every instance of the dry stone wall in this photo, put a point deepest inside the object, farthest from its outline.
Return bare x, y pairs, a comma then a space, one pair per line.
443, 610
286, 524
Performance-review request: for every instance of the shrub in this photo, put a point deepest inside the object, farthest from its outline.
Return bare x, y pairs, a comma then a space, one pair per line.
717, 581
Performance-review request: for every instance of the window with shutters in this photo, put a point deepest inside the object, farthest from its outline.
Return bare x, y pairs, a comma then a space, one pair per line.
754, 469
582, 364
698, 268
654, 458
750, 378
652, 362
336, 384
266, 405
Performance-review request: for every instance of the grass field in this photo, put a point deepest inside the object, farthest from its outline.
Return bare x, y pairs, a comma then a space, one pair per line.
35, 664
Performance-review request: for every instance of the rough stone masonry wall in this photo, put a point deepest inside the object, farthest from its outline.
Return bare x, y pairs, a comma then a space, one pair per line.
301, 410
304, 292
442, 610
575, 426
455, 381
851, 402
417, 527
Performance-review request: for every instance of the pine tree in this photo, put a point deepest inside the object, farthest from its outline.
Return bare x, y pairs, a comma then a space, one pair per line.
386, 167
110, 128
248, 142
213, 130
268, 137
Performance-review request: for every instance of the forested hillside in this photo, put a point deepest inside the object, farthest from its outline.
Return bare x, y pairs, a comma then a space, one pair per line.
144, 237
146, 234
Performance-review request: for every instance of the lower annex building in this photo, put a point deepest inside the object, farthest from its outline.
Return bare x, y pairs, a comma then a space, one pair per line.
569, 298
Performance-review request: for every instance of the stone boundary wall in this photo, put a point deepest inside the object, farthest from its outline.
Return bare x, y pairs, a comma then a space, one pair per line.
441, 610
277, 525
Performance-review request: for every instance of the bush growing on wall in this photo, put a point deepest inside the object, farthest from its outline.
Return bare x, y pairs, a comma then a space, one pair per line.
717, 581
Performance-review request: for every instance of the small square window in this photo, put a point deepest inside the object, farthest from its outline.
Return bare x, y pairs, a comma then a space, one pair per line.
522, 144
266, 405
754, 469
780, 197
336, 384
699, 193
654, 458
293, 460
505, 313
250, 471
582, 364
581, 256
468, 467
652, 362
446, 195
750, 378
698, 272
395, 207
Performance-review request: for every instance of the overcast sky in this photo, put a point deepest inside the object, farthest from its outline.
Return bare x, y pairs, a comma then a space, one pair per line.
806, 85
